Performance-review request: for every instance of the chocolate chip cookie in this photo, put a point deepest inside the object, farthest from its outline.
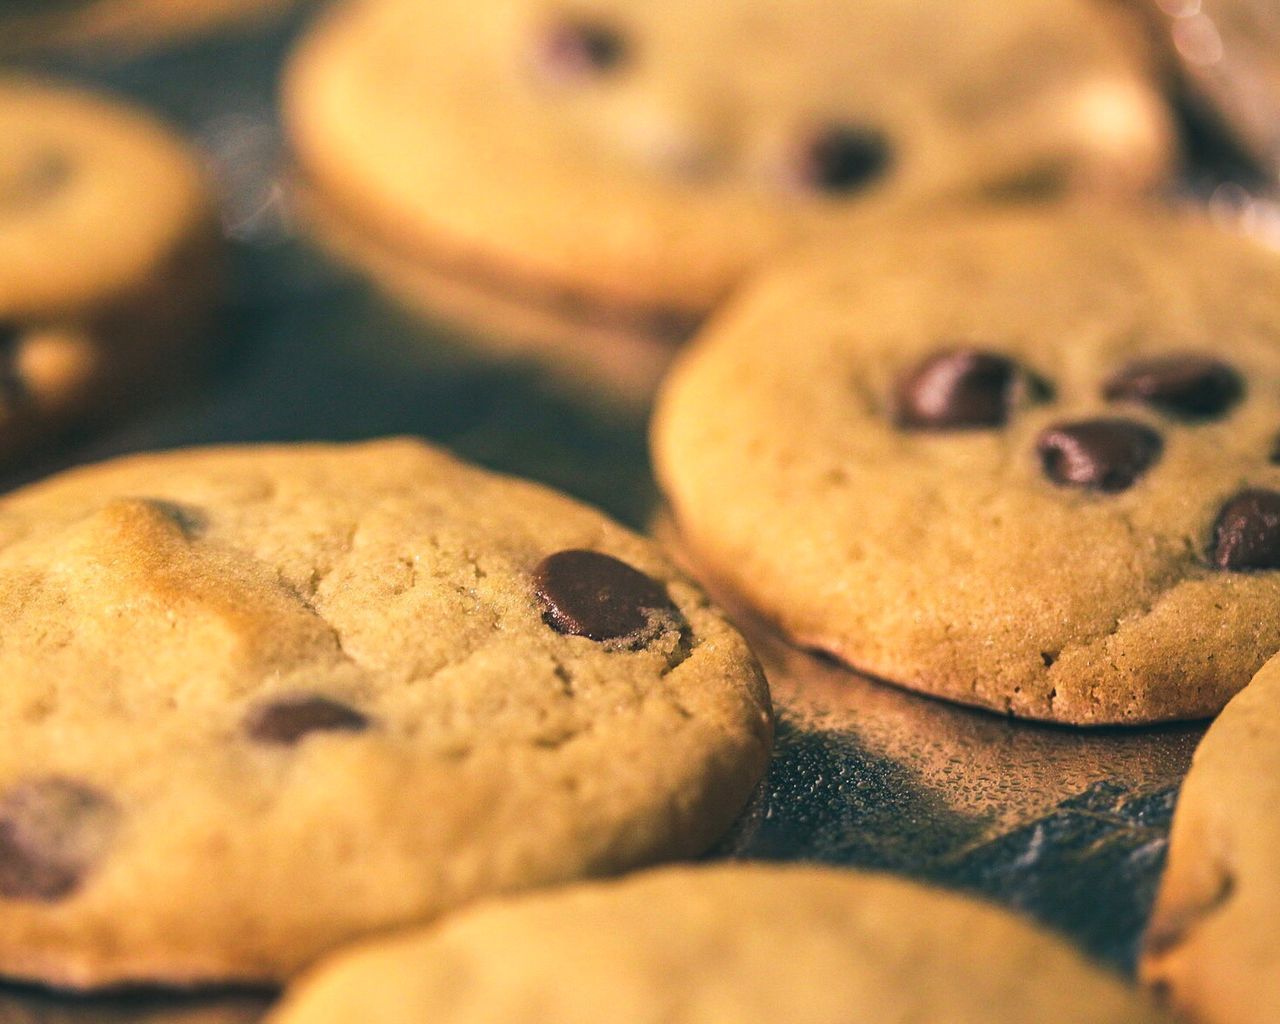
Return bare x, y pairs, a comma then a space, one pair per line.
1212, 946
109, 258
607, 171
262, 701
744, 943
1025, 462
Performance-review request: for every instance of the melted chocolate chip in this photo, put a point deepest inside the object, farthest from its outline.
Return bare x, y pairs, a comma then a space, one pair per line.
585, 593
578, 48
1274, 457
1100, 455
960, 389
1187, 386
290, 719
52, 831
845, 158
1246, 534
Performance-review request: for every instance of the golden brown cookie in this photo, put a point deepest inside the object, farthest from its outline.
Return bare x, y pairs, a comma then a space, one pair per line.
261, 701
616, 166
109, 258
714, 945
1213, 946
1026, 462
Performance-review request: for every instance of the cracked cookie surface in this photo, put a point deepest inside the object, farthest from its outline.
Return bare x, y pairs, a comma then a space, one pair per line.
109, 257
1212, 945
747, 944
262, 701
1025, 462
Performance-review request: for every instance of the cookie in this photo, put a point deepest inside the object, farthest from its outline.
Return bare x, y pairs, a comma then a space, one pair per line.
1023, 462
1212, 946
612, 167
596, 357
109, 258
742, 943
126, 25
262, 701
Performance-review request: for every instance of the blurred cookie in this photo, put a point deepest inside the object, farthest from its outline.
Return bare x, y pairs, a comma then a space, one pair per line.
745, 944
1213, 947
125, 25
611, 168
1026, 462
109, 258
261, 701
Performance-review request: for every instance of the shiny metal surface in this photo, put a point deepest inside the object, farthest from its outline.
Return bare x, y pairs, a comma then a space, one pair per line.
1069, 826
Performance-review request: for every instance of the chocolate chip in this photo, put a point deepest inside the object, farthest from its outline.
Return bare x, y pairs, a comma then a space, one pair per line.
578, 48
1188, 386
1274, 457
52, 831
961, 389
585, 593
1246, 534
844, 158
1100, 455
289, 719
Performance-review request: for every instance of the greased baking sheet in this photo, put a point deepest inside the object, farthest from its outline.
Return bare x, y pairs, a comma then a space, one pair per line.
1068, 826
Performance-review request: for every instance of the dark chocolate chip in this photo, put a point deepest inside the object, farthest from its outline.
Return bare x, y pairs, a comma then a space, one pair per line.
1274, 457
1188, 386
289, 719
10, 332
1100, 455
845, 158
52, 831
960, 389
586, 593
1246, 534
578, 48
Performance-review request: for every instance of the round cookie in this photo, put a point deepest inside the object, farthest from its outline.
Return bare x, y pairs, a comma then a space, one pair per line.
1212, 947
109, 257
122, 24
262, 701
742, 944
609, 167
1024, 462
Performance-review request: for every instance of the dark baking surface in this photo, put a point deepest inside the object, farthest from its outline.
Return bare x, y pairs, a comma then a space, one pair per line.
1067, 826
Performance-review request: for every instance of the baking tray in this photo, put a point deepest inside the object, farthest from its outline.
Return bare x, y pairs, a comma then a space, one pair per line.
1067, 826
